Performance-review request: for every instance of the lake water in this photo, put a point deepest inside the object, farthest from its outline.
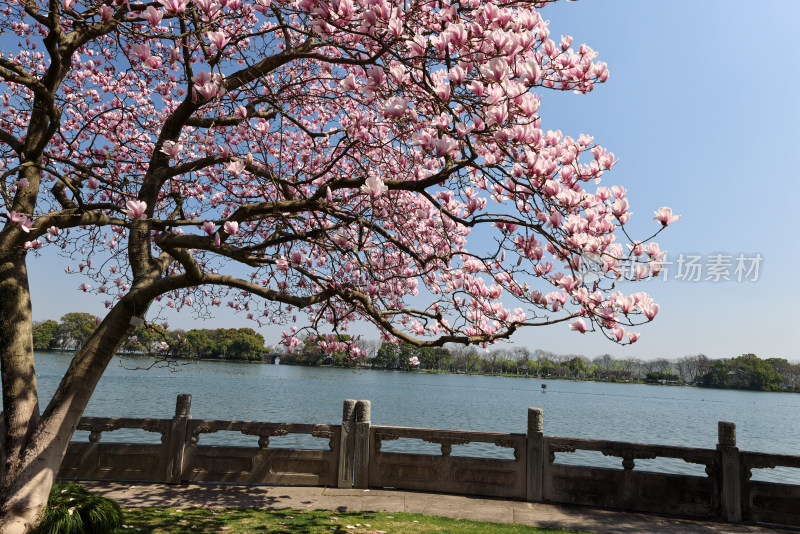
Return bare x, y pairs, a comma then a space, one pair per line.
668, 415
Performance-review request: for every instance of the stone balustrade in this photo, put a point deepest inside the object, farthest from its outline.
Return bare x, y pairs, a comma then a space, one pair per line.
354, 454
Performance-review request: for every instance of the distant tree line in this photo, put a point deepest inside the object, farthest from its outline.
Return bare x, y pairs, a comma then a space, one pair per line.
310, 354
743, 372
235, 344
242, 344
747, 371
73, 330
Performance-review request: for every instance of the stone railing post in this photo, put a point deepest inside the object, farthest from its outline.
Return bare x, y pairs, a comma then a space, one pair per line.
176, 439
361, 448
346, 443
730, 472
535, 456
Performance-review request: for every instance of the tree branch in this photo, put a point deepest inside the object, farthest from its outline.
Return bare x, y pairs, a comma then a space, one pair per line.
15, 144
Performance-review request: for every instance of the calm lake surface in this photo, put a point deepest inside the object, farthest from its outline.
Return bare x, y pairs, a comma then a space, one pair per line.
682, 416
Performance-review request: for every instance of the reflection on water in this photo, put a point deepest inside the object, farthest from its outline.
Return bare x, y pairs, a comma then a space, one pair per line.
682, 416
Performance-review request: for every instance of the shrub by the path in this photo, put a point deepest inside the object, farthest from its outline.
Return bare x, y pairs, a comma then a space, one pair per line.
73, 510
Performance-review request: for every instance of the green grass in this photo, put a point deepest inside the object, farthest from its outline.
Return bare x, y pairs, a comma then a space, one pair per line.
249, 521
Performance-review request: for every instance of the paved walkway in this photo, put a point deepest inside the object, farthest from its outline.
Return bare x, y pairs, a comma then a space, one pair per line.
480, 509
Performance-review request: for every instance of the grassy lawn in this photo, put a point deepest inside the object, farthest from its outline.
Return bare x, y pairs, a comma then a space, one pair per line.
178, 521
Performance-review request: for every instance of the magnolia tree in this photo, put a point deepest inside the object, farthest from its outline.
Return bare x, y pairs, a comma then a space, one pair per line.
311, 161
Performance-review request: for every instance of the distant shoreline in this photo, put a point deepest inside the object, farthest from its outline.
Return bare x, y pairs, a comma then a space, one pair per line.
442, 371
428, 371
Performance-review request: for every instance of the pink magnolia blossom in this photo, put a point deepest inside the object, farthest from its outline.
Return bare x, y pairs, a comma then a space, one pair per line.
208, 90
231, 227
219, 39
530, 72
640, 271
457, 75
620, 208
201, 77
413, 361
619, 191
476, 204
497, 114
349, 83
664, 216
549, 48
443, 90
236, 167
174, 6
619, 333
141, 51
136, 209
444, 146
654, 251
650, 310
172, 149
152, 62
208, 6
627, 304
578, 325
153, 15
24, 223
106, 13
395, 107
85, 287
376, 75
208, 227
496, 70
374, 187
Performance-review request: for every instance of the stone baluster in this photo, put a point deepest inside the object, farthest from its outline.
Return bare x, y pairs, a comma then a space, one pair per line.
730, 471
535, 455
177, 439
346, 444
361, 448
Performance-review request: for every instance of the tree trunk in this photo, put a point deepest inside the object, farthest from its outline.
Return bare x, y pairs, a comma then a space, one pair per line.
20, 396
24, 496
34, 445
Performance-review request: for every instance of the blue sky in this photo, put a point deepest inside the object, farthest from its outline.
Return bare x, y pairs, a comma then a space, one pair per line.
701, 108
